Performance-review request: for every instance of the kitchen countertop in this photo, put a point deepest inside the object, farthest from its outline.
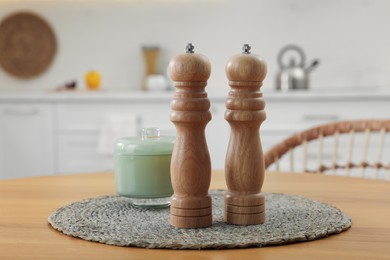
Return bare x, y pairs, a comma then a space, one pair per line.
122, 95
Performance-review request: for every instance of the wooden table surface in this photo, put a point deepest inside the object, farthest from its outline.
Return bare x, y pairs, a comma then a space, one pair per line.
25, 205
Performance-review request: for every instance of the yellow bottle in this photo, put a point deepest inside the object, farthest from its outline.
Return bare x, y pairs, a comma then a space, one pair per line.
93, 80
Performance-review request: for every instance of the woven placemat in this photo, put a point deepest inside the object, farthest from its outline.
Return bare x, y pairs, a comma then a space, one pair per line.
113, 220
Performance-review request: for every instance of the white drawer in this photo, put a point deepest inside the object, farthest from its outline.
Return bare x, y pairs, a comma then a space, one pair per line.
26, 140
79, 128
90, 117
78, 153
296, 116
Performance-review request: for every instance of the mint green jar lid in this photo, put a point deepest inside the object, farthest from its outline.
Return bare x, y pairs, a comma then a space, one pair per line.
150, 143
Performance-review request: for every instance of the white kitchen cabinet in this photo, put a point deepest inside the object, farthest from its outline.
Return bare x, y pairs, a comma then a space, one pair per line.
26, 140
79, 123
58, 133
285, 117
288, 113
288, 116
79, 126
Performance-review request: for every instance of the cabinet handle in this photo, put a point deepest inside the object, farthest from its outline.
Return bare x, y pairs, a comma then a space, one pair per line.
321, 117
25, 111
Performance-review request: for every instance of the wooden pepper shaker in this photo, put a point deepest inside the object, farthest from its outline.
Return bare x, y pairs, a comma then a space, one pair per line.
190, 163
244, 165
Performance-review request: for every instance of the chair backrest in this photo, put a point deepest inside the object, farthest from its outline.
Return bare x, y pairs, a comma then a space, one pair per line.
352, 148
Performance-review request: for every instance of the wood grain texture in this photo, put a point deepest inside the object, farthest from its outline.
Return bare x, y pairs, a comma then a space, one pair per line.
244, 165
25, 205
190, 163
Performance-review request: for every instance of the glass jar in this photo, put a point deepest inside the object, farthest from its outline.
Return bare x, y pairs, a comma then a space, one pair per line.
142, 168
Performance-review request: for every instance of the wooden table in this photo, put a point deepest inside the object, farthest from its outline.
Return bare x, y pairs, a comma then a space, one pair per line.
25, 205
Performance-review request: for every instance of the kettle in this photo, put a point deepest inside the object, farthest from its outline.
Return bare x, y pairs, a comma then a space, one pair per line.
294, 75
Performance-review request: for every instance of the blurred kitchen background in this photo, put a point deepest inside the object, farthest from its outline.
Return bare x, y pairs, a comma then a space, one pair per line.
45, 131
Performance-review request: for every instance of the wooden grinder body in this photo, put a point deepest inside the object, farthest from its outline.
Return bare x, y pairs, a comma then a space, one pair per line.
190, 163
244, 165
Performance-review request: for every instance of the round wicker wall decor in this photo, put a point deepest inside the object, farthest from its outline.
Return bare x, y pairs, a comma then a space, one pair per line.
27, 45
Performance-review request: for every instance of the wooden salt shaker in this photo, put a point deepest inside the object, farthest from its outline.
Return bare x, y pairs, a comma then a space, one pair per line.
244, 165
190, 163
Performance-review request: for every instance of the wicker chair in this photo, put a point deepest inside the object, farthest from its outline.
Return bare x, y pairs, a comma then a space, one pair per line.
351, 148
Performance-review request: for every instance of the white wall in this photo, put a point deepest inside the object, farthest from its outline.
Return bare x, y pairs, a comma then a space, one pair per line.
350, 37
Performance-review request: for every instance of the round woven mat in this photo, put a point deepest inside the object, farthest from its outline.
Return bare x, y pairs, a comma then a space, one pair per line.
114, 221
27, 44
